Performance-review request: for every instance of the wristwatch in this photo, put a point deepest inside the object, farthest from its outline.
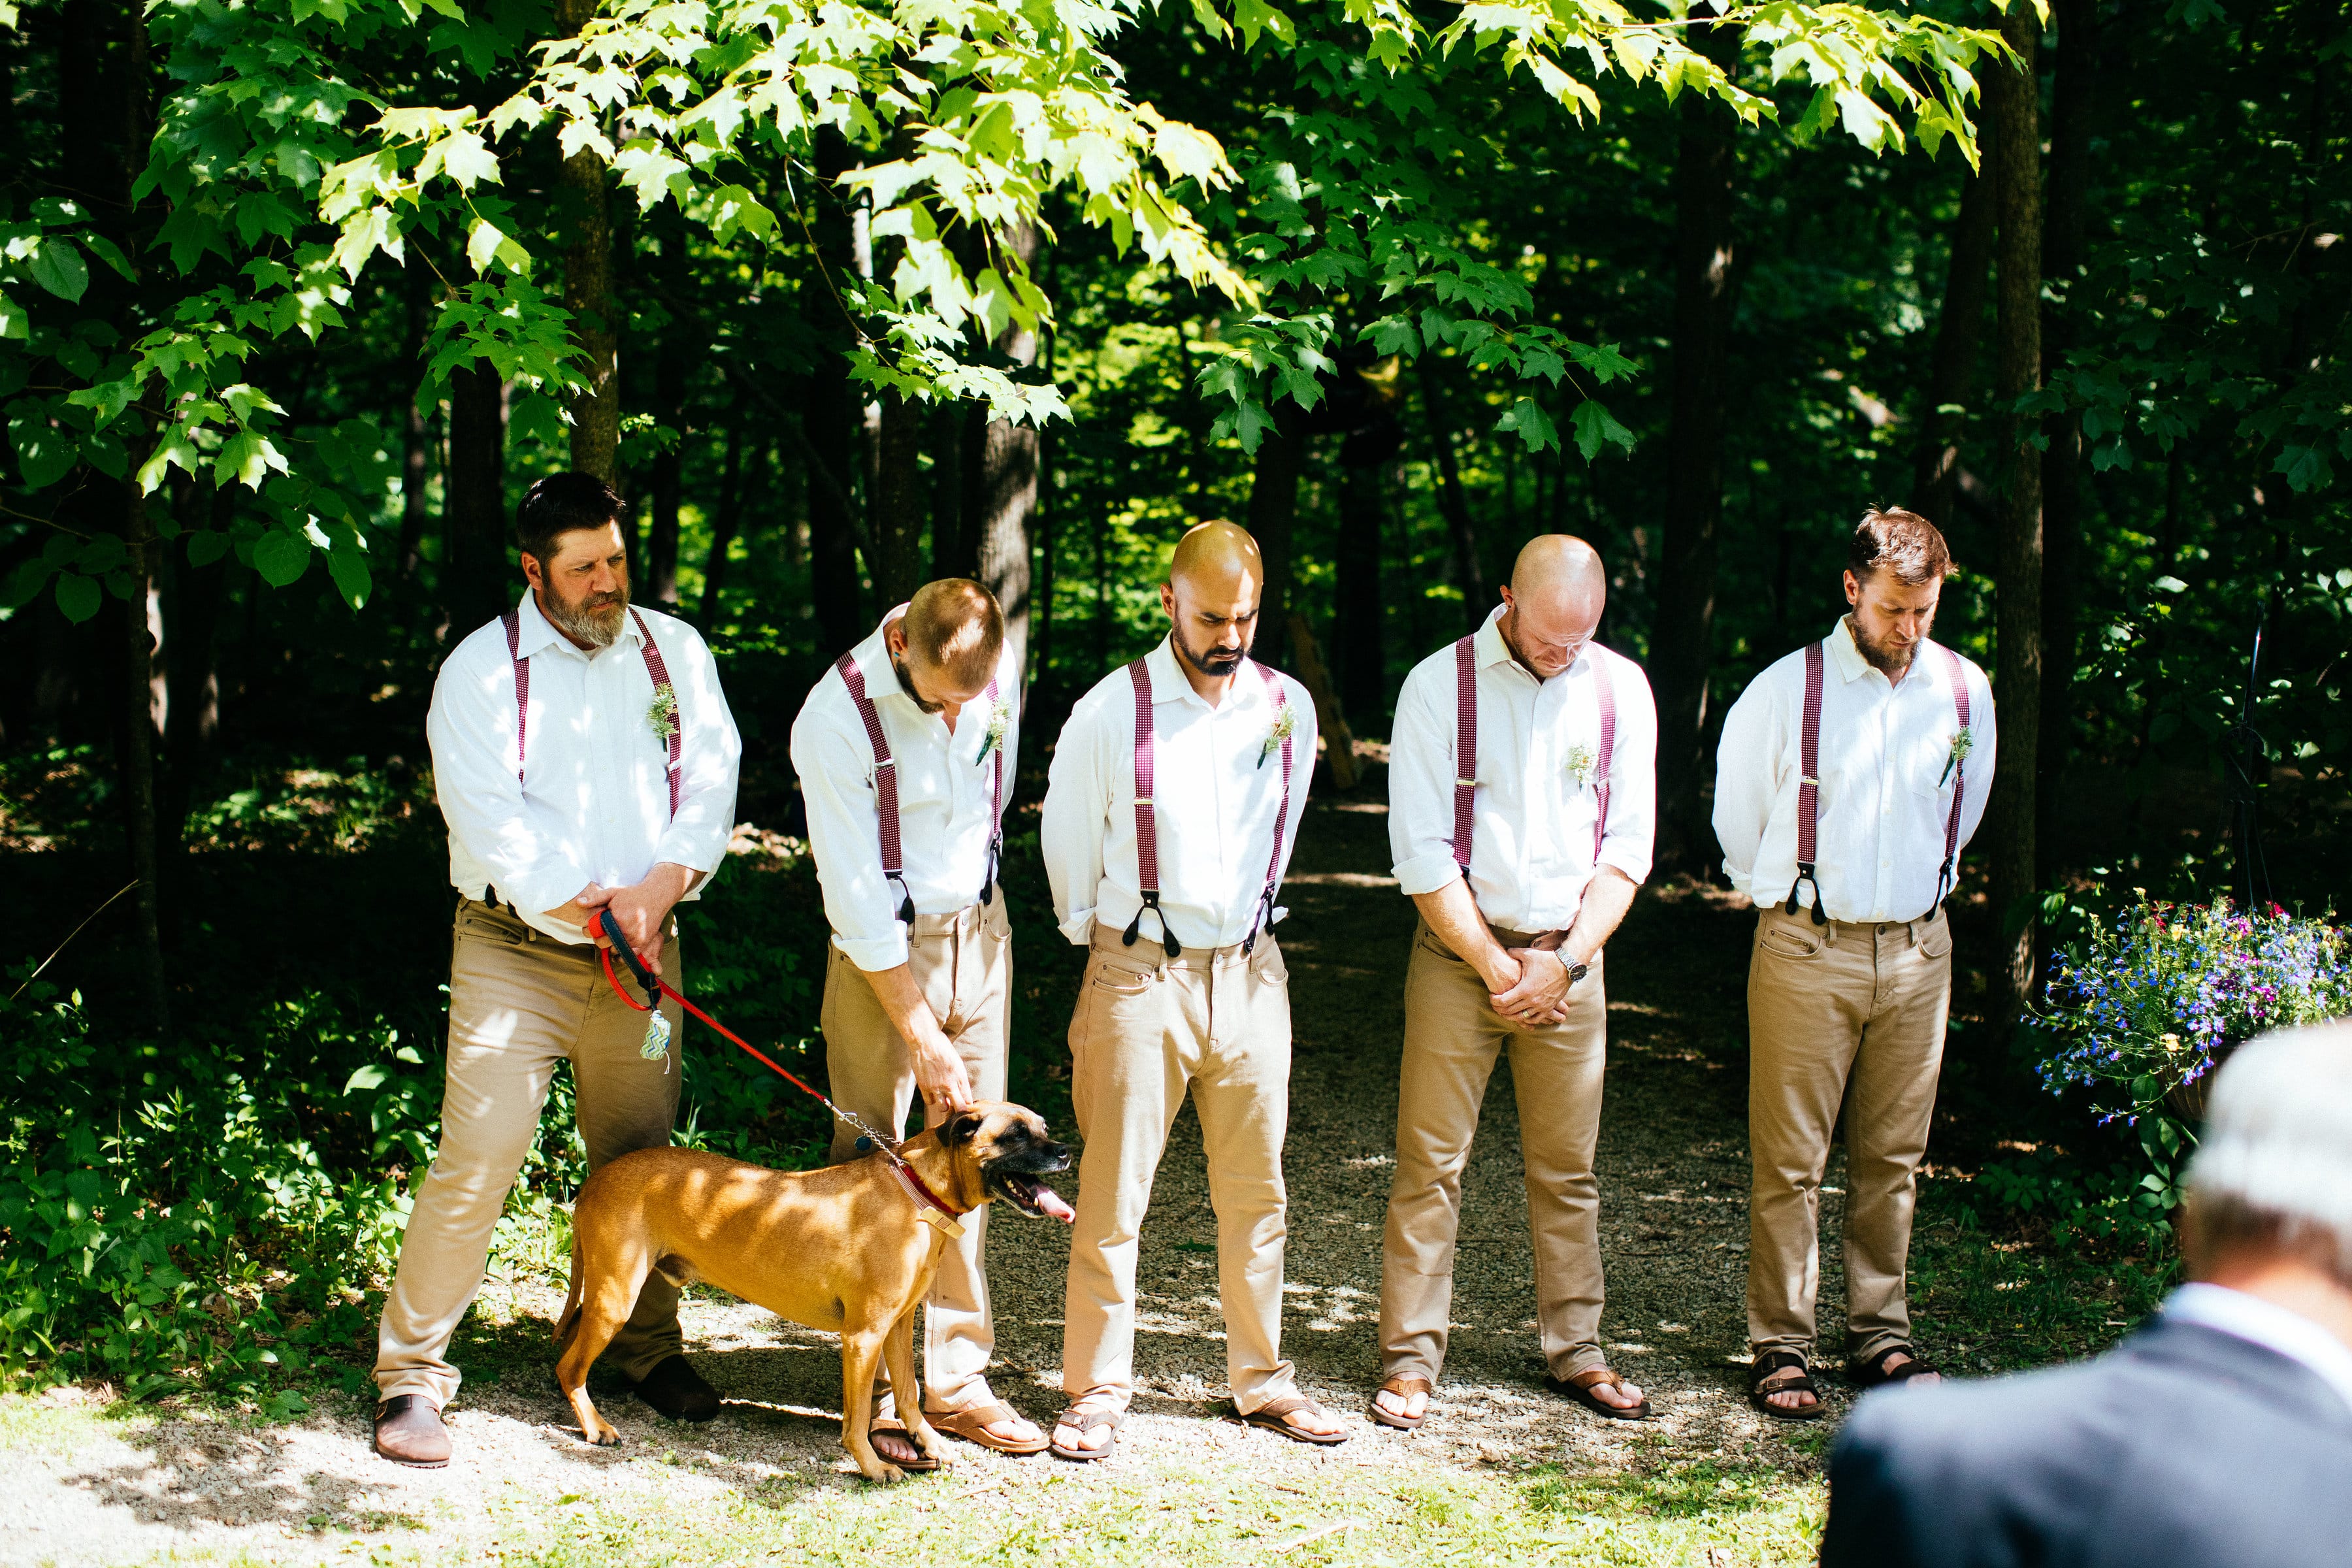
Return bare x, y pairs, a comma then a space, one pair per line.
1576, 972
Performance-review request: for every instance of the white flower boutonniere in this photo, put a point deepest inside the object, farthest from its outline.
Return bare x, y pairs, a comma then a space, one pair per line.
1000, 718
1582, 764
1962, 745
663, 715
1284, 726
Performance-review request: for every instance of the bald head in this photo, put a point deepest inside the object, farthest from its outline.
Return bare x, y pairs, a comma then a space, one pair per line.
1212, 595
1558, 588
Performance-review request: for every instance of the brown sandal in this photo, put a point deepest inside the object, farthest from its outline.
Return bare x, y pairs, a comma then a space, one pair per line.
973, 1425
1087, 1421
1580, 1387
921, 1464
1403, 1388
1273, 1417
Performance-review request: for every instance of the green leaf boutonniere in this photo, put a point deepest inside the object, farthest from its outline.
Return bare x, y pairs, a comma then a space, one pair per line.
1285, 724
1962, 745
1582, 764
663, 715
1000, 719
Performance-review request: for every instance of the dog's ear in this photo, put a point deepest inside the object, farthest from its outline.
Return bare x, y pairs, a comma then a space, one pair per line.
962, 1128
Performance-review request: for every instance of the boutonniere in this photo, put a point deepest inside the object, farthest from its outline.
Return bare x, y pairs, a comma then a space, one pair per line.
1582, 764
1962, 745
1000, 719
1284, 723
663, 715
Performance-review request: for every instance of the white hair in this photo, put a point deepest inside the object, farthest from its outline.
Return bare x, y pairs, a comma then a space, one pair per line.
2277, 1147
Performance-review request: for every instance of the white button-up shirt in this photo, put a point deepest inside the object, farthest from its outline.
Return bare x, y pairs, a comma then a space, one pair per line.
946, 799
1886, 780
593, 802
1531, 845
1215, 806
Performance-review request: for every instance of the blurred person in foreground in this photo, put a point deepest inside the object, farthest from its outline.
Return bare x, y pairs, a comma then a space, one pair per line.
2219, 1435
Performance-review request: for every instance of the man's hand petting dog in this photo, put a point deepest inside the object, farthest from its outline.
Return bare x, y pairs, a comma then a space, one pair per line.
845, 1248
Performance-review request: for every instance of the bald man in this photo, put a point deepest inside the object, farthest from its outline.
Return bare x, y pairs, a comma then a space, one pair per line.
1521, 800
1175, 793
906, 754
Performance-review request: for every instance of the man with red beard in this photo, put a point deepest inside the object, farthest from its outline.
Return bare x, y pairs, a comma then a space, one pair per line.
1849, 776
585, 761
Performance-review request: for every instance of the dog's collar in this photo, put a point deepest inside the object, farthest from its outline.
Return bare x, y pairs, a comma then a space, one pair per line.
929, 1205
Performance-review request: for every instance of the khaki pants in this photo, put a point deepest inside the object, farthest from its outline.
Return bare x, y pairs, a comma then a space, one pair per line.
519, 1002
1216, 1023
1452, 1037
1851, 1012
963, 963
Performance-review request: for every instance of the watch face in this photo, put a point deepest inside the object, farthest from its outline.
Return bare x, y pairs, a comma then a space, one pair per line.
1576, 972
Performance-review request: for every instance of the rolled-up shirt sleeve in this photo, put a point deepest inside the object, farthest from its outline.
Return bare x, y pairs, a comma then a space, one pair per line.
1747, 777
1077, 816
844, 822
1421, 789
711, 762
471, 728
1631, 835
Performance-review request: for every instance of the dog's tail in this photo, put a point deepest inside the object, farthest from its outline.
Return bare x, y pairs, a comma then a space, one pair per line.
566, 1323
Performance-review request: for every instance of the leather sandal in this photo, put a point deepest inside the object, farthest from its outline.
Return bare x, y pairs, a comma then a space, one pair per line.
972, 1422
1087, 1421
1274, 1414
920, 1463
1873, 1373
1758, 1396
1403, 1388
1579, 1386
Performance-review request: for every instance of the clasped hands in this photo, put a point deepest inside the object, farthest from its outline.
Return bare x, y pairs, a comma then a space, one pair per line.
1534, 990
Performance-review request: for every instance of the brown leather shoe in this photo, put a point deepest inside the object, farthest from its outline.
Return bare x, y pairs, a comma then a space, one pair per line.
408, 1431
677, 1391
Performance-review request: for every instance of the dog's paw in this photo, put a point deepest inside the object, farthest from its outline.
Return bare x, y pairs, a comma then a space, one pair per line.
604, 1435
884, 1472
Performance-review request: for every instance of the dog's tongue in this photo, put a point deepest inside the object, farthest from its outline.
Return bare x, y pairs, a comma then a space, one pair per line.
1050, 1203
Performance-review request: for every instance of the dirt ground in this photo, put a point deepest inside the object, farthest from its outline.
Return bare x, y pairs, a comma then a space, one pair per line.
1673, 1168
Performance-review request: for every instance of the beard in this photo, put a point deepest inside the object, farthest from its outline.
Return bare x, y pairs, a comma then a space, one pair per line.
1216, 663
906, 684
594, 620
1882, 657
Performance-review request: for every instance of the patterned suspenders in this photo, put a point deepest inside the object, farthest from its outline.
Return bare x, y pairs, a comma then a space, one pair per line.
886, 792
654, 668
1466, 750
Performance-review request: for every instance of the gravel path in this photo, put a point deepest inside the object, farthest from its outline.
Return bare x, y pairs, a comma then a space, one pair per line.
1673, 1164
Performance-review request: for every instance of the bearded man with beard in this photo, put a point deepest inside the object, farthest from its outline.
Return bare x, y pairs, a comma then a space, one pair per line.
585, 761
1175, 792
1849, 776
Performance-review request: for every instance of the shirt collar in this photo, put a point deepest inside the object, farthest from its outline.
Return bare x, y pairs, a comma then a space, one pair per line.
534, 632
1169, 683
2269, 1325
1850, 665
1488, 649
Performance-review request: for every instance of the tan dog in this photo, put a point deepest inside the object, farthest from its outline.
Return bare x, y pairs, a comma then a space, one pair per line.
843, 1248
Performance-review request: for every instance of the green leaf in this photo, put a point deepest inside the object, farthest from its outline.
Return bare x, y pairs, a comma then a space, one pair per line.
57, 266
206, 546
374, 1075
77, 597
281, 557
1596, 427
14, 323
1535, 427
45, 453
349, 568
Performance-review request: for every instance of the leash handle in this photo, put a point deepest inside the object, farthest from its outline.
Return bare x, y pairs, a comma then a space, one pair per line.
637, 966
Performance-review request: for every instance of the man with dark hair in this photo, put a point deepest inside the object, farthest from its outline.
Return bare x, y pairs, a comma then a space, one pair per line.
905, 753
585, 761
2218, 1434
1849, 776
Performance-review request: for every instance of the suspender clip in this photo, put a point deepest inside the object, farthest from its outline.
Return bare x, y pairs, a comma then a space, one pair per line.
1166, 938
1805, 875
906, 897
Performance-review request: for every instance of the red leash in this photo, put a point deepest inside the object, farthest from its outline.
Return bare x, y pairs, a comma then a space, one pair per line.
653, 982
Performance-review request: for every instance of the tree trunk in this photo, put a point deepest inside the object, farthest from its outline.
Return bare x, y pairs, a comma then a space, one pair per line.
725, 523
1042, 619
897, 501
192, 605
1363, 663
1952, 366
1006, 490
1682, 637
2016, 150
415, 445
2066, 223
954, 476
588, 291
833, 531
476, 577
1339, 741
668, 478
1273, 520
138, 770
1467, 575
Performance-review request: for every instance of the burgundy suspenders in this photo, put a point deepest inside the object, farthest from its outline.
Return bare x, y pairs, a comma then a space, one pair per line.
886, 790
654, 668
995, 804
1146, 836
1809, 785
1466, 750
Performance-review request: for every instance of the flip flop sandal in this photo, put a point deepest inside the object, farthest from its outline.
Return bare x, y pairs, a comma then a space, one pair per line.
1403, 1388
1579, 1386
1087, 1421
1273, 1415
920, 1464
973, 1425
1764, 1366
1873, 1373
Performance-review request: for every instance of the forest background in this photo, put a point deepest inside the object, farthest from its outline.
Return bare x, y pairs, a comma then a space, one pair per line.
299, 296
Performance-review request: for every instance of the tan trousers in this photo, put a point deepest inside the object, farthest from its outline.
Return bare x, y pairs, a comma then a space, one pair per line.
519, 1002
1148, 1030
963, 963
1452, 1037
1851, 1012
